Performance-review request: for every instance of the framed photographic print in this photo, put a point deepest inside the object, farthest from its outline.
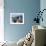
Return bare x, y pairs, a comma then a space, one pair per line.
16, 18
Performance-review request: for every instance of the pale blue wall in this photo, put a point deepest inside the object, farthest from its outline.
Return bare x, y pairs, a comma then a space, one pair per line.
28, 7
43, 6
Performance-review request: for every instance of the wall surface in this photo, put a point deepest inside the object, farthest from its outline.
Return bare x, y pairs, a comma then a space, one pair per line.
1, 20
29, 8
43, 6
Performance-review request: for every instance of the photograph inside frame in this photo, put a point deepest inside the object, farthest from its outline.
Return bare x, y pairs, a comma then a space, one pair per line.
17, 18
